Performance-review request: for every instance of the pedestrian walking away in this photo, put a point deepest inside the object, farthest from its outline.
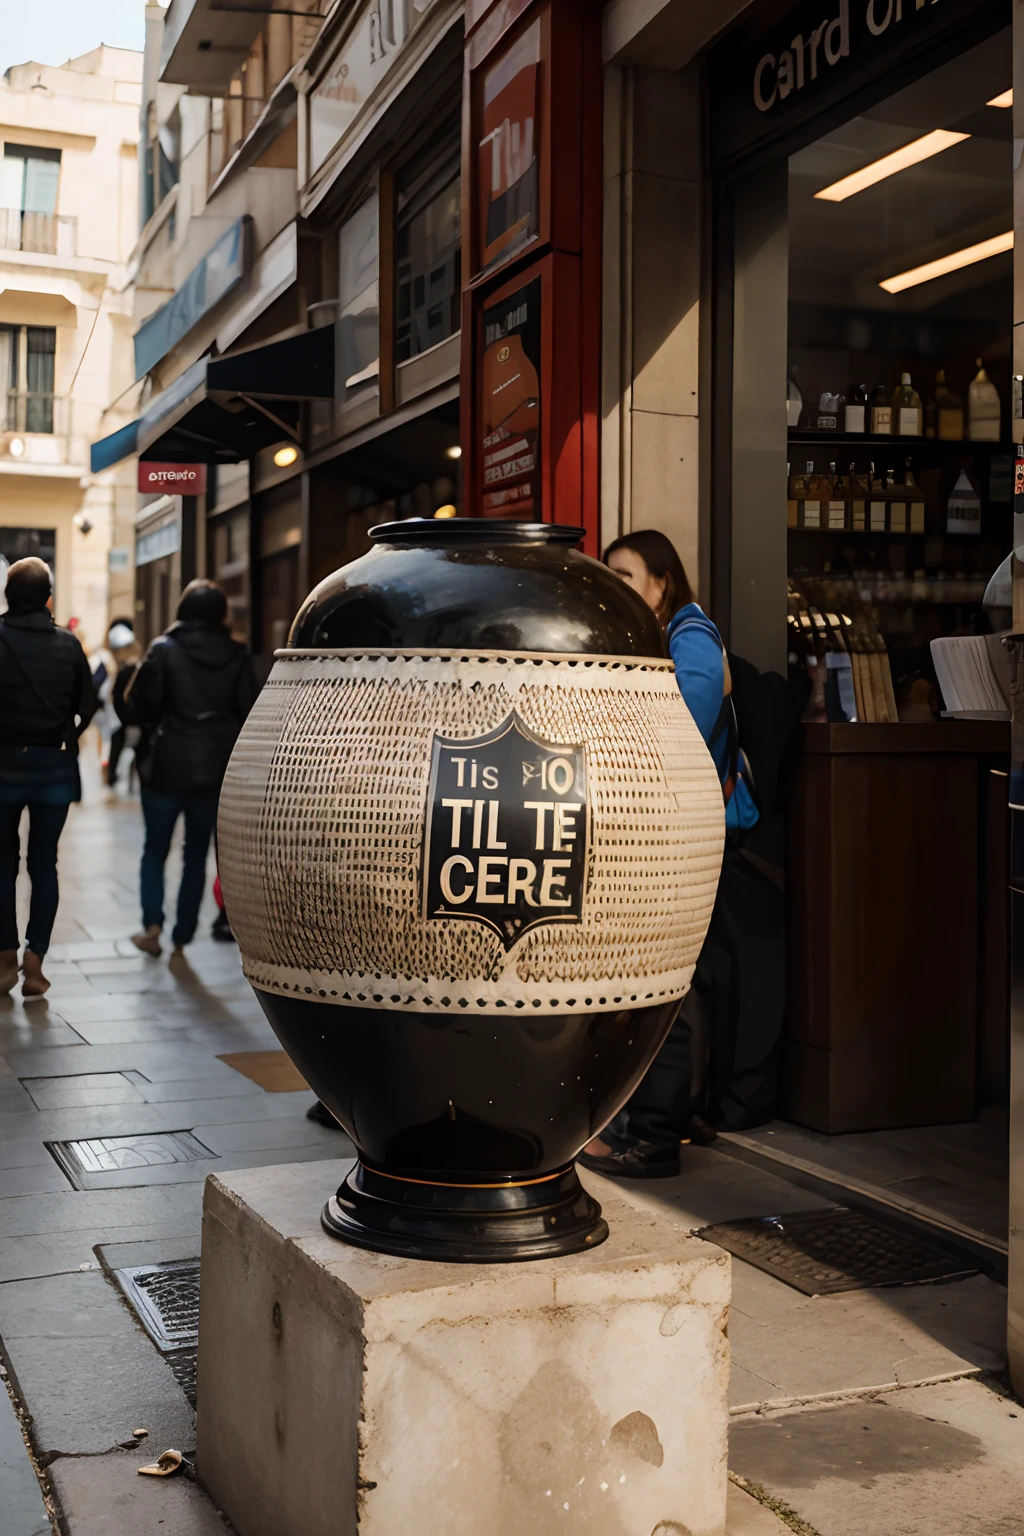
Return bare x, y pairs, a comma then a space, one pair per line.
47, 699
190, 695
717, 1066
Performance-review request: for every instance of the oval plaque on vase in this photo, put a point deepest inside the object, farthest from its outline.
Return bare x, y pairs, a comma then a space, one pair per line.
469, 842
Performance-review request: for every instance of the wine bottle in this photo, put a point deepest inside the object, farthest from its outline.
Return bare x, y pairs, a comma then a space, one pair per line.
983, 409
829, 412
906, 409
836, 501
856, 410
881, 412
915, 501
876, 506
897, 506
794, 497
949, 408
812, 499
859, 490
963, 510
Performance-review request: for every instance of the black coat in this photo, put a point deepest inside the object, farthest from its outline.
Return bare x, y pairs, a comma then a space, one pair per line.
191, 693
47, 696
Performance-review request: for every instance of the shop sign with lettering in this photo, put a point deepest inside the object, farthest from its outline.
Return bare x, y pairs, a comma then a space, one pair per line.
506, 831
172, 479
819, 52
508, 152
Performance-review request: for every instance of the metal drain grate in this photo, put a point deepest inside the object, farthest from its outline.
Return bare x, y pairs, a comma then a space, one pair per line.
822, 1252
95, 1164
165, 1299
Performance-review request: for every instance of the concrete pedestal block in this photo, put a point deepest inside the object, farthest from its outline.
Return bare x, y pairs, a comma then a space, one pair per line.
344, 1391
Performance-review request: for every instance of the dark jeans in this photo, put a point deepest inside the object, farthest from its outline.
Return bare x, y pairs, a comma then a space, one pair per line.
161, 814
45, 824
720, 1059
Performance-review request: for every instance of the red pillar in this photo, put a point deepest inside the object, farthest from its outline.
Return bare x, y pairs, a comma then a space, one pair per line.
531, 261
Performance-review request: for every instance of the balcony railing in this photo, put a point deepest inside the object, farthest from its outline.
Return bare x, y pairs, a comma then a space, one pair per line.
29, 411
50, 234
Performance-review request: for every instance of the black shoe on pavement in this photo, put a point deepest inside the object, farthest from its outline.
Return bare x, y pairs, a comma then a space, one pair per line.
221, 928
322, 1115
642, 1160
702, 1134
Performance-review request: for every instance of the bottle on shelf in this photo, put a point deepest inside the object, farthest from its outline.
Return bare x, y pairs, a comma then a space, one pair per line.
796, 489
856, 412
915, 502
830, 412
858, 502
811, 517
799, 498
794, 402
983, 409
837, 500
881, 412
906, 409
945, 413
876, 504
897, 505
963, 510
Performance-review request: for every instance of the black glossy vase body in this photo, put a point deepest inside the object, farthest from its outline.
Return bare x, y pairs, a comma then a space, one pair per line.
469, 841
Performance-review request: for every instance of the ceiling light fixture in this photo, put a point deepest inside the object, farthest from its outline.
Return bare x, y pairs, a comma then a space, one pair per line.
951, 263
285, 456
900, 159
447, 511
454, 453
1005, 100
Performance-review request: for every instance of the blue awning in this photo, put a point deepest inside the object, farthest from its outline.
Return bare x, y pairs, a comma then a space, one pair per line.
211, 414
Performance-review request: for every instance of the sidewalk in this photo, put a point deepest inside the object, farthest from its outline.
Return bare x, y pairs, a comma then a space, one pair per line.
869, 1412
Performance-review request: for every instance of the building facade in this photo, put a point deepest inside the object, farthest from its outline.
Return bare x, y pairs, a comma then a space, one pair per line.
68, 198
743, 273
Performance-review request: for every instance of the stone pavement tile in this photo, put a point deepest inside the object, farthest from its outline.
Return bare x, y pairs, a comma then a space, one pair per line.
21, 1501
36, 1030
255, 1135
55, 1253
84, 1369
26, 1153
816, 1345
196, 1088
14, 1100
32, 1179
83, 1090
163, 1250
744, 1516
175, 1208
85, 949
159, 1061
93, 1006
105, 1496
936, 1461
171, 1174
117, 965
139, 1119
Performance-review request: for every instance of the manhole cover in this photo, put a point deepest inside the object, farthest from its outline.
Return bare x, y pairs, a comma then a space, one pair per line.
821, 1252
165, 1299
89, 1164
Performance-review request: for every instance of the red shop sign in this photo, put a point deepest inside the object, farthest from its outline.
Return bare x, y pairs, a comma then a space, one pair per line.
174, 479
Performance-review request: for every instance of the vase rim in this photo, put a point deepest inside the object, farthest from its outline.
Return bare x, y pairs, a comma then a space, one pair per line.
475, 530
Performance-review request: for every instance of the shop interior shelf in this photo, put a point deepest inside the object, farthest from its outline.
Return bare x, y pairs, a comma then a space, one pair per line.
802, 436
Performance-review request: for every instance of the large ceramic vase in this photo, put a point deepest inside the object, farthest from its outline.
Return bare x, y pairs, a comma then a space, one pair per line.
469, 843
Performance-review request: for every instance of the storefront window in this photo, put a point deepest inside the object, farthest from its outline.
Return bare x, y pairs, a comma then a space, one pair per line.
358, 302
229, 565
899, 395
428, 237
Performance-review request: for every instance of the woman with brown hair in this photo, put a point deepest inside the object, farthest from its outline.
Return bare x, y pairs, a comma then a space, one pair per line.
643, 1140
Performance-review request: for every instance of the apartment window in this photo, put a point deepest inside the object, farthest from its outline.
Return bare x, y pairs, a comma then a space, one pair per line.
27, 355
28, 198
428, 235
359, 301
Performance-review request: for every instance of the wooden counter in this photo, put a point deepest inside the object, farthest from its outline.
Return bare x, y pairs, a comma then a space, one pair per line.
897, 839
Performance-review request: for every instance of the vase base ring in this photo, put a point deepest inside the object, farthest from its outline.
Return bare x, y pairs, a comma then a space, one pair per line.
502, 1223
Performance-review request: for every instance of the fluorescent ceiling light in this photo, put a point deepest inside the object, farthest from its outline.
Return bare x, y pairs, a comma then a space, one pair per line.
1005, 100
951, 263
911, 154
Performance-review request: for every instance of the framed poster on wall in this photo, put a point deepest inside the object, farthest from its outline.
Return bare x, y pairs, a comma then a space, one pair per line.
510, 412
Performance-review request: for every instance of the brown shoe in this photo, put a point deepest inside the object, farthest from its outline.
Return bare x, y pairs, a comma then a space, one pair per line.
8, 970
148, 940
35, 983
